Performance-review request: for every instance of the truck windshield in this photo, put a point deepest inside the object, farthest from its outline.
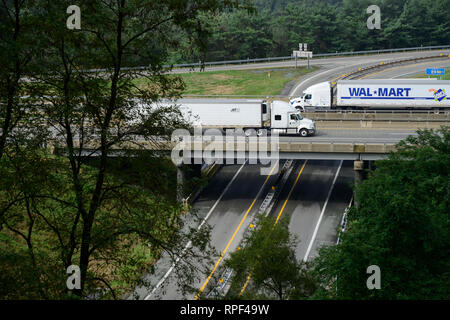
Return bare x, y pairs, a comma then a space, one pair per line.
299, 117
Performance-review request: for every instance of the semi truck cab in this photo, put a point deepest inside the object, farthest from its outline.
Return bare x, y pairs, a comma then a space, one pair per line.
298, 103
318, 95
286, 119
252, 116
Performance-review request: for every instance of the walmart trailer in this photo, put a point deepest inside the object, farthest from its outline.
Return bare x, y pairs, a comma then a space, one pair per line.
377, 94
393, 94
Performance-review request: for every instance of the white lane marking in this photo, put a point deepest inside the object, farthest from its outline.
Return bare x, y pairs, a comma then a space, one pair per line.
322, 73
321, 214
310, 78
199, 227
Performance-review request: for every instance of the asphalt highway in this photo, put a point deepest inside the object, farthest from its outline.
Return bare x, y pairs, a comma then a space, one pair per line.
229, 211
318, 200
314, 199
231, 216
408, 71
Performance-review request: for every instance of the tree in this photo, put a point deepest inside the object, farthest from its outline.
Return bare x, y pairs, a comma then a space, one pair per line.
83, 213
18, 49
269, 259
400, 225
277, 27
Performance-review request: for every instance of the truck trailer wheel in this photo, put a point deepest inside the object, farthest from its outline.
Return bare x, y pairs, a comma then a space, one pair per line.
261, 132
249, 132
304, 133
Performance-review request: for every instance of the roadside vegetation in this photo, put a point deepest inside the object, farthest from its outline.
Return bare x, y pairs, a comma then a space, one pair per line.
66, 198
327, 26
267, 268
400, 224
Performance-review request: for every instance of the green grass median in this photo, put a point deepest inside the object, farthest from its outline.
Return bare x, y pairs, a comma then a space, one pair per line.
256, 82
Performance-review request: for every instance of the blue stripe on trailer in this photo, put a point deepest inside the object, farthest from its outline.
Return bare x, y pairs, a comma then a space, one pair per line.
388, 98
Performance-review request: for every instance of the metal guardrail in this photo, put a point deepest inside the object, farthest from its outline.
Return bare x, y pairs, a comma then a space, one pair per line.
383, 51
321, 55
272, 59
397, 115
344, 221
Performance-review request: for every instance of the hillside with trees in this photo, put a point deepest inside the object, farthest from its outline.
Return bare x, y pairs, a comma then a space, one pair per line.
277, 26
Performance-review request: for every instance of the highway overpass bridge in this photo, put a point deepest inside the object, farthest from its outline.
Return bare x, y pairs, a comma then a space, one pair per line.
360, 145
353, 143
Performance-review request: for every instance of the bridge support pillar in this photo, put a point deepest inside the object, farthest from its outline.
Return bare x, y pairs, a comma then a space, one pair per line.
184, 173
358, 167
371, 164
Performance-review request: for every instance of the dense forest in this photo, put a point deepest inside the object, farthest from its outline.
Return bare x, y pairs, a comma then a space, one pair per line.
276, 27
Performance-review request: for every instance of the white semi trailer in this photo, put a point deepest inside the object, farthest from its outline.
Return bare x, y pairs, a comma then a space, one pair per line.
377, 94
246, 115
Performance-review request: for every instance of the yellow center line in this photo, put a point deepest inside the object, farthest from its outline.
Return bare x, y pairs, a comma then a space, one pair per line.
290, 192
373, 73
245, 285
278, 218
232, 237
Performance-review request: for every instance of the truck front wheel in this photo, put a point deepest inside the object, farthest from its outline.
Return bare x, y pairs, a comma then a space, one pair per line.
303, 132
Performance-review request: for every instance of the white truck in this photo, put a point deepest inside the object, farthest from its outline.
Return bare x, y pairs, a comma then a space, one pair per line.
246, 115
377, 94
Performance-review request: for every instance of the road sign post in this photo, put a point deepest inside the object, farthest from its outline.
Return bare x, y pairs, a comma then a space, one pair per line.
302, 53
296, 54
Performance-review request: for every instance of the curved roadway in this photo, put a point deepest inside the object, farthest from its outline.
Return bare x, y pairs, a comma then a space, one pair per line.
334, 70
408, 71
